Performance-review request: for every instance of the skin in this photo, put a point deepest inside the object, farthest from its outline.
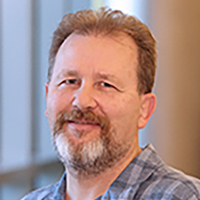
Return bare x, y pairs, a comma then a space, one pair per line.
98, 73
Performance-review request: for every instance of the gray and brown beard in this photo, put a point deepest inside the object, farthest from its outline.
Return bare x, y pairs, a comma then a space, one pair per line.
87, 158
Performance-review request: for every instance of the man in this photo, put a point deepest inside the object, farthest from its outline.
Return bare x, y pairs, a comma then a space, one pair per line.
101, 73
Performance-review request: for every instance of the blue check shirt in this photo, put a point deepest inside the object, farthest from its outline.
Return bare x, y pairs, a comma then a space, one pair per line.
145, 178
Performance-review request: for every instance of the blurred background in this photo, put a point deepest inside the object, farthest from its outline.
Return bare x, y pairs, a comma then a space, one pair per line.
27, 158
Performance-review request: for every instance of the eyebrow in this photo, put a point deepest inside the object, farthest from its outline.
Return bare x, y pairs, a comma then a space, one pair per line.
64, 73
108, 77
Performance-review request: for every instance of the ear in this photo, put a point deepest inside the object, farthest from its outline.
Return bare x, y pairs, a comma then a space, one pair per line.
46, 89
148, 105
46, 96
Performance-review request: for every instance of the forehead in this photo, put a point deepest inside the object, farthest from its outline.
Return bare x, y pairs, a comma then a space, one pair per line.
103, 53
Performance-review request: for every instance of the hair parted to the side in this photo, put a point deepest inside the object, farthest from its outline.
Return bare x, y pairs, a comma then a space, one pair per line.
108, 22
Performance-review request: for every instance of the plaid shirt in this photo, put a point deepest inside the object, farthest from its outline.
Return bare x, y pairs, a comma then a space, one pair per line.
146, 177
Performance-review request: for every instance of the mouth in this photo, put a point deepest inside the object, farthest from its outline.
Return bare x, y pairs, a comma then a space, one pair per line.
81, 125
76, 121
82, 122
82, 128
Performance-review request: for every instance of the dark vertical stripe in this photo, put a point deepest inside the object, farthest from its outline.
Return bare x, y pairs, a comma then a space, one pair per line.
35, 48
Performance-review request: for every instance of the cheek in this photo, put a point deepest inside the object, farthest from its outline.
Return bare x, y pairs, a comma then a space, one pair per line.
56, 102
123, 113
114, 108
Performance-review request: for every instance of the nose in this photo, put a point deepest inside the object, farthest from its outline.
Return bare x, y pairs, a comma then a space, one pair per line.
84, 98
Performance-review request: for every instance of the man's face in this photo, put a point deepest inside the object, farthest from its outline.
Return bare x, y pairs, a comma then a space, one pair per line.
93, 106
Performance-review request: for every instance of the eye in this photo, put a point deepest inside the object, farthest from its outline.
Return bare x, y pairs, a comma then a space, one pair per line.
105, 84
71, 81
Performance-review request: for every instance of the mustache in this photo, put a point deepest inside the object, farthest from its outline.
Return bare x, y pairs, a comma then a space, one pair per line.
77, 115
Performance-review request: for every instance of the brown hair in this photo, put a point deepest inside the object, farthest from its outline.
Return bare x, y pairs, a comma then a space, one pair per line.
108, 22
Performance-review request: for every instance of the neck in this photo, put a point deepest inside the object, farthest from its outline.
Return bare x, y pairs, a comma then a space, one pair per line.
95, 186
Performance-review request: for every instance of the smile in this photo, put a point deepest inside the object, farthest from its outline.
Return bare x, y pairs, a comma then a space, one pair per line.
83, 122
83, 128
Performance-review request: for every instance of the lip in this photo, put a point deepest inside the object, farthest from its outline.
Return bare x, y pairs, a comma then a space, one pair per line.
82, 122
83, 126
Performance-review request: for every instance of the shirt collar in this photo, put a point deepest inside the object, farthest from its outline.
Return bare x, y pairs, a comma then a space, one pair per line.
140, 168
60, 189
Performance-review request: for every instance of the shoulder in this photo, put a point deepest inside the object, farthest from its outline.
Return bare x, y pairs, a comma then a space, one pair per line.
42, 193
183, 184
51, 192
169, 183
150, 178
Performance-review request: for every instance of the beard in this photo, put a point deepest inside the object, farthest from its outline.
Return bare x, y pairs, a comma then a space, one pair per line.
94, 156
